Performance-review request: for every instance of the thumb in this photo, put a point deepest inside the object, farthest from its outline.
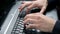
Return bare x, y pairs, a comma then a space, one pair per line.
43, 9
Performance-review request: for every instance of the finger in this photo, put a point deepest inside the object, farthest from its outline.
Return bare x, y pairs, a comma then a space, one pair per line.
34, 0
22, 7
32, 16
30, 21
24, 4
43, 9
31, 26
30, 7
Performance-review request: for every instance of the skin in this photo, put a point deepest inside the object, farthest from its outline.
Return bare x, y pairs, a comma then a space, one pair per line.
37, 20
41, 4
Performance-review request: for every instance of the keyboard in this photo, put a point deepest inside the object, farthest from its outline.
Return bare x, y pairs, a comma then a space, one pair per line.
19, 27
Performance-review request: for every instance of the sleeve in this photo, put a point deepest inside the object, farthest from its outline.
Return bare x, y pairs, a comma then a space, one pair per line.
56, 29
51, 4
52, 1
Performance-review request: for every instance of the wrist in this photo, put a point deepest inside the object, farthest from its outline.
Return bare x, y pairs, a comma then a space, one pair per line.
54, 22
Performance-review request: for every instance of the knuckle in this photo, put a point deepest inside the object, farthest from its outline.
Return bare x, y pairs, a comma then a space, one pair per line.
28, 19
28, 8
31, 26
26, 16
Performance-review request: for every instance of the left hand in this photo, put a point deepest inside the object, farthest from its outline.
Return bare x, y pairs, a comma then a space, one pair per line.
41, 4
39, 21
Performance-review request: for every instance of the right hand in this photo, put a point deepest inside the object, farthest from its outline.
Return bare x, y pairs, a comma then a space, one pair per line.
41, 4
39, 21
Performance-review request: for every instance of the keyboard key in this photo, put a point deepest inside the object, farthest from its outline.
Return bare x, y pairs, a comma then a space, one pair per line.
17, 32
17, 29
14, 29
38, 30
21, 20
19, 24
33, 30
17, 21
21, 28
21, 31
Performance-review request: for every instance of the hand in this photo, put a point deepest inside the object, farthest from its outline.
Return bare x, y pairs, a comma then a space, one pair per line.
39, 21
41, 4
